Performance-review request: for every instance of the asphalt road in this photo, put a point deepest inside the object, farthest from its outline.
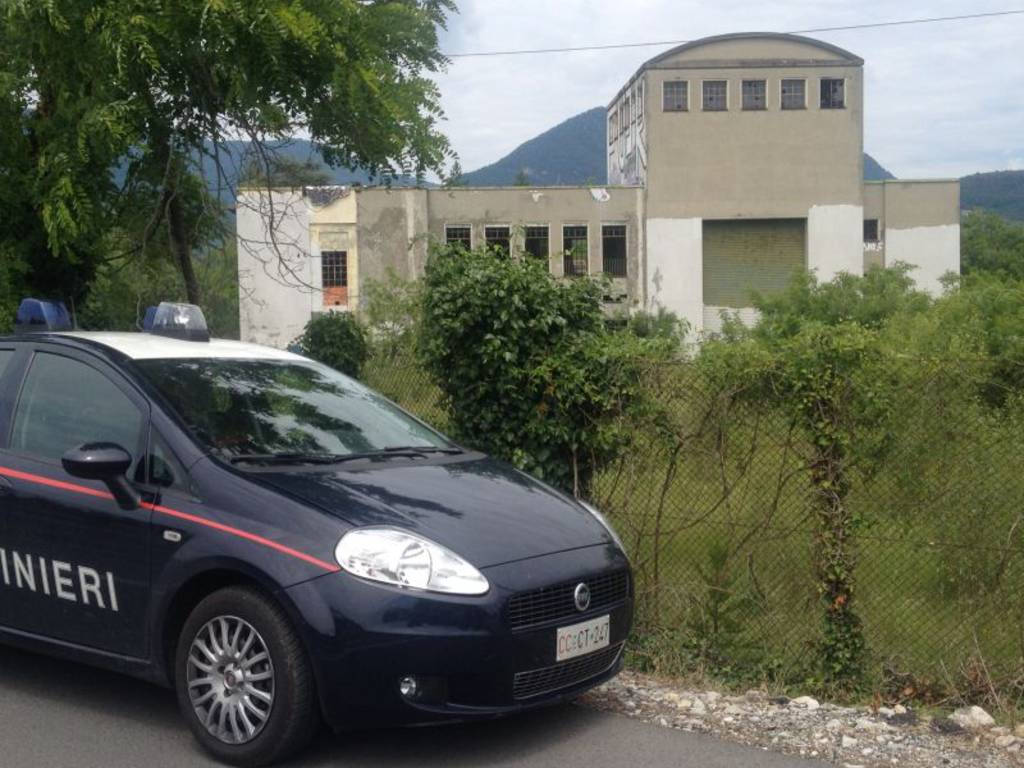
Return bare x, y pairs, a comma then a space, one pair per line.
55, 713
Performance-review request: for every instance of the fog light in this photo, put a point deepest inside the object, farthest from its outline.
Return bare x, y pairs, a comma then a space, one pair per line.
408, 687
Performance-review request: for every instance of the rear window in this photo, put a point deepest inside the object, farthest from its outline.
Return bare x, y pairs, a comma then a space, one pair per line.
270, 407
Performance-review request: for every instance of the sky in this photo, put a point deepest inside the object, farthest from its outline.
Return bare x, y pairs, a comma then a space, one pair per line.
941, 100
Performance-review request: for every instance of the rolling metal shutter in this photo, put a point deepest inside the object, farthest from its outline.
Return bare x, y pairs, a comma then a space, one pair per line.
750, 255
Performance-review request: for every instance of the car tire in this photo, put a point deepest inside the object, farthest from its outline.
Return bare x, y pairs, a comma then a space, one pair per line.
223, 692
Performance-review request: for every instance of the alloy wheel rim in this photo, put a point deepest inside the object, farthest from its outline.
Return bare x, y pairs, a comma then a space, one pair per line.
230, 679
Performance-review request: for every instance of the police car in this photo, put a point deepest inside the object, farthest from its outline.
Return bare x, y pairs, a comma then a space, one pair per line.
281, 544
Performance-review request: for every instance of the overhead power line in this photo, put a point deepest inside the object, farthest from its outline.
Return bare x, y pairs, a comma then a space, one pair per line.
611, 46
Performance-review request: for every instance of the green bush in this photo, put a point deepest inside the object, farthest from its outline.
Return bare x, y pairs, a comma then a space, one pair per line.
661, 323
869, 301
990, 244
528, 370
391, 310
336, 339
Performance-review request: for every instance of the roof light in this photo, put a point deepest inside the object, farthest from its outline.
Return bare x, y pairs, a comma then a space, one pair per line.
39, 315
147, 321
179, 321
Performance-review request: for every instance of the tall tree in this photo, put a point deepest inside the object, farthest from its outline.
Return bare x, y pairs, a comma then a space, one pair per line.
119, 98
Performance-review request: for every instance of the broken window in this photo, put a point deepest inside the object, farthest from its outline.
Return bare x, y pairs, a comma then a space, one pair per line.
794, 94
870, 230
755, 94
613, 249
536, 243
460, 236
833, 93
498, 239
675, 96
574, 246
716, 95
334, 277
612, 127
334, 269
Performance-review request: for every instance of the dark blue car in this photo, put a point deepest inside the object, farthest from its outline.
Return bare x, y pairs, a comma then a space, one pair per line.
281, 544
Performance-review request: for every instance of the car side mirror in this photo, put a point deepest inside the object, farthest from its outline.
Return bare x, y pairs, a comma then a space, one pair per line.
108, 462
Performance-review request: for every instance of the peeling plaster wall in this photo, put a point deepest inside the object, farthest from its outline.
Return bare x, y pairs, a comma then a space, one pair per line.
518, 207
392, 233
277, 282
835, 240
675, 265
932, 251
918, 223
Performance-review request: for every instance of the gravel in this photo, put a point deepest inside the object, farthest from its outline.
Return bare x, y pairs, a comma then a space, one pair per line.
848, 736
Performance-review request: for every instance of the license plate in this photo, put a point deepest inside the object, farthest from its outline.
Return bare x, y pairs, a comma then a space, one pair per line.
582, 638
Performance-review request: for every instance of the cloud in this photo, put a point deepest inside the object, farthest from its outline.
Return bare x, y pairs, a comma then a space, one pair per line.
941, 99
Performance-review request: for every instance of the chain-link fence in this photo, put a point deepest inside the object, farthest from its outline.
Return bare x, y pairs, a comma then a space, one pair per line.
717, 513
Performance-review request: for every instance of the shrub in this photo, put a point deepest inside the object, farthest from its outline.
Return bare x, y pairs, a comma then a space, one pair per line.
391, 310
991, 244
527, 367
661, 323
336, 339
869, 301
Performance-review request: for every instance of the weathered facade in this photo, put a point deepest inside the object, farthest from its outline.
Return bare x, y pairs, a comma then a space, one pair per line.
732, 162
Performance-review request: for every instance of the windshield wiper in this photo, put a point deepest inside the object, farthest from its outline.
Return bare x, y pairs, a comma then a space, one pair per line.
402, 449
286, 458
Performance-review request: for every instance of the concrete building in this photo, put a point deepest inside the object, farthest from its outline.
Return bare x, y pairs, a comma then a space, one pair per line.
732, 162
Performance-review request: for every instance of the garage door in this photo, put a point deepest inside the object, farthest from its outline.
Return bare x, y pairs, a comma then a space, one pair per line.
751, 255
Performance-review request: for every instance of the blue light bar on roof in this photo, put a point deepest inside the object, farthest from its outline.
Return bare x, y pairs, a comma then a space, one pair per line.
179, 321
39, 315
147, 321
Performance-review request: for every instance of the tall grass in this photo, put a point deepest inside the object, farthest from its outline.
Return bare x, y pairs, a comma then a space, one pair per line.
712, 500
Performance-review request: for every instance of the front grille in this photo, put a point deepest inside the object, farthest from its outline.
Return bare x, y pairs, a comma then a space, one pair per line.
557, 602
536, 682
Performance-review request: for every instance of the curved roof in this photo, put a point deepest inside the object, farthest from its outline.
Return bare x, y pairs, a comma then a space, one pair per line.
833, 49
843, 55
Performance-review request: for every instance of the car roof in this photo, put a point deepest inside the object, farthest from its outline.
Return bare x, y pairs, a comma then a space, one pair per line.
148, 346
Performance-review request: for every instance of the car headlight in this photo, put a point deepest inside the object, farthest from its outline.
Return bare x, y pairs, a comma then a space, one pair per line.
405, 559
603, 521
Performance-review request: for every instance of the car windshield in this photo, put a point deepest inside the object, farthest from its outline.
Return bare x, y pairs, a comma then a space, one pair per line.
267, 408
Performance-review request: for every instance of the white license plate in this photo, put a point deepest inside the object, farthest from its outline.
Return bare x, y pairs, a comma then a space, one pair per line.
582, 638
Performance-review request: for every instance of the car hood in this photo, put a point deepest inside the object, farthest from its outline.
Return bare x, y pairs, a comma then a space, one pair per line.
480, 508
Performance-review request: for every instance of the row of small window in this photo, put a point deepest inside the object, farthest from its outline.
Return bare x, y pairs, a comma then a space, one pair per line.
715, 94
537, 243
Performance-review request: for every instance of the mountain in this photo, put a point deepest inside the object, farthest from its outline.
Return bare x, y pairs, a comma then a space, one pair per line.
573, 152
1001, 192
873, 171
236, 156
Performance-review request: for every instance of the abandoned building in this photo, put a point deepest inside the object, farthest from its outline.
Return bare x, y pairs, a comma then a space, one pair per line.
732, 162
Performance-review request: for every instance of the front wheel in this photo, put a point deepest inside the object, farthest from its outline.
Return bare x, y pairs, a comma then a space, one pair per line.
243, 681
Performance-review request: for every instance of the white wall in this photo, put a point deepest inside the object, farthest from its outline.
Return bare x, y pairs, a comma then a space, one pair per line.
932, 251
275, 271
835, 240
675, 268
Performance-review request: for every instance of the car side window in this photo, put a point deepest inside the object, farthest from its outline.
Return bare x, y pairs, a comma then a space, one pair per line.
65, 403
